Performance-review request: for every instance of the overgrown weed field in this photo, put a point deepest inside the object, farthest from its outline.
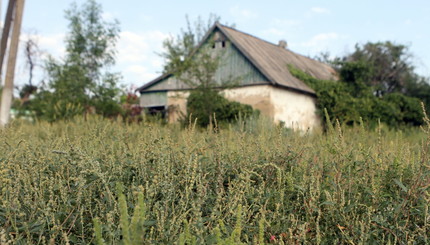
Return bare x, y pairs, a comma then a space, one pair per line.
104, 182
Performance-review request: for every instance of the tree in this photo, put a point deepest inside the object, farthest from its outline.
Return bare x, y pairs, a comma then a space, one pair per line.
224, 110
193, 67
80, 82
420, 90
32, 54
351, 102
195, 64
386, 66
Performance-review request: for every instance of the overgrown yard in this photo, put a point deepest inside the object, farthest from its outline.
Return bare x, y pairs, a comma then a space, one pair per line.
252, 183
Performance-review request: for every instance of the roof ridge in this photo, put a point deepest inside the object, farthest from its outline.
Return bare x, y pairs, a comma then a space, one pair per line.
268, 59
248, 34
274, 78
274, 44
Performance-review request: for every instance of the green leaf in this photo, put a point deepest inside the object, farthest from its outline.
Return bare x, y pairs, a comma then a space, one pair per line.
400, 184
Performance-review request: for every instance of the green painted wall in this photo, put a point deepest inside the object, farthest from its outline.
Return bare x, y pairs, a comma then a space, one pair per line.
169, 83
153, 99
234, 70
234, 67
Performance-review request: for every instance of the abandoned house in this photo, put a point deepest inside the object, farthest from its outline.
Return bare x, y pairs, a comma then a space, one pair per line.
264, 81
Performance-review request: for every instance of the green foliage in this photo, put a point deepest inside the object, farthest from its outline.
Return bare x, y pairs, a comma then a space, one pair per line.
195, 67
209, 105
81, 80
58, 184
351, 101
180, 48
421, 90
409, 108
195, 63
388, 67
131, 230
123, 215
383, 68
356, 74
98, 232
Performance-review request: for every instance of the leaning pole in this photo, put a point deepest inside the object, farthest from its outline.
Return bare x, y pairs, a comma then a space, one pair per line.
7, 93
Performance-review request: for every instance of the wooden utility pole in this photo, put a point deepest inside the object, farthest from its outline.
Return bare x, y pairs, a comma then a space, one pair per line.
7, 93
5, 33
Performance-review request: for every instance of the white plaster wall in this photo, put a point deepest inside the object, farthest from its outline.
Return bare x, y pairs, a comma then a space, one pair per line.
297, 111
176, 105
256, 96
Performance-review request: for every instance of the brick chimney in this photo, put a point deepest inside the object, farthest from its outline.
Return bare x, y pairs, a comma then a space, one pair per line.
282, 44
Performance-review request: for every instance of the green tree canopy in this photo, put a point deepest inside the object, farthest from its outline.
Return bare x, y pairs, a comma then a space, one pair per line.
376, 81
193, 67
196, 66
81, 81
385, 66
352, 101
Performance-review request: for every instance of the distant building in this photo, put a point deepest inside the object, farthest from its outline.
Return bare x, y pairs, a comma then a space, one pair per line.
264, 81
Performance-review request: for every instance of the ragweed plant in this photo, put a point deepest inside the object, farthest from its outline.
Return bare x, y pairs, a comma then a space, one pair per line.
253, 183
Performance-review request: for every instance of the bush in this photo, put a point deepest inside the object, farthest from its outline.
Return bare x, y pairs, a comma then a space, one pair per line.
350, 101
410, 111
203, 105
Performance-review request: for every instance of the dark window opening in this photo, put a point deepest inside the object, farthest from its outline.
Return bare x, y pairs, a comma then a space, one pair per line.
223, 44
158, 111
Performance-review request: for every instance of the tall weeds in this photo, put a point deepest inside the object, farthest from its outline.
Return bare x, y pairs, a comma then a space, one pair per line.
103, 182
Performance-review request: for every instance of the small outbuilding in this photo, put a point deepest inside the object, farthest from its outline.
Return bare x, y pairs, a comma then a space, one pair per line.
265, 81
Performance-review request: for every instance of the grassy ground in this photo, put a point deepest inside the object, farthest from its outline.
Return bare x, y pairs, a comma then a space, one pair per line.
98, 181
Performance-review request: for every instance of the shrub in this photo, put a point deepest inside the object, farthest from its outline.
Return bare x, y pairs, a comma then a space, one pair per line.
352, 102
204, 105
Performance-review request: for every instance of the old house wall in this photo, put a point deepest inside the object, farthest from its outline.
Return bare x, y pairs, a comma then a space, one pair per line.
176, 105
256, 96
296, 110
153, 99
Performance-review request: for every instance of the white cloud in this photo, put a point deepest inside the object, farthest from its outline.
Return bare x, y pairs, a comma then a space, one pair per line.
319, 10
157, 62
132, 47
48, 44
137, 59
145, 17
282, 27
137, 47
323, 37
109, 16
142, 73
242, 14
285, 22
52, 44
275, 31
321, 42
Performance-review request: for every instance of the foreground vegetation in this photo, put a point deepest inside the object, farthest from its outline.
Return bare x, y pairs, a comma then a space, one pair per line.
103, 182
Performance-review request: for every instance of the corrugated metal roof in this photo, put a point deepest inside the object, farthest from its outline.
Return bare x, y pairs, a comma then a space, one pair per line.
272, 60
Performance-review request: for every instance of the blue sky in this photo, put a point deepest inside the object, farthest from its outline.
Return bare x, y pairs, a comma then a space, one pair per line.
309, 27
